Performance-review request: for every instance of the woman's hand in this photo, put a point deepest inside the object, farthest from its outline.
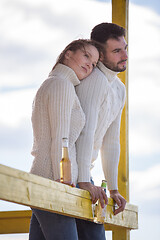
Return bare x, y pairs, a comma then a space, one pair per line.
97, 193
67, 183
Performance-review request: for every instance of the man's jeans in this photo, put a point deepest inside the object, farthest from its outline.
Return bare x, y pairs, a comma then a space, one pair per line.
51, 226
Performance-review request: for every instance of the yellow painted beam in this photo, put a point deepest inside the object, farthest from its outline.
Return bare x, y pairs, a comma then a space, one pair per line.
120, 233
120, 17
34, 191
19, 221
15, 222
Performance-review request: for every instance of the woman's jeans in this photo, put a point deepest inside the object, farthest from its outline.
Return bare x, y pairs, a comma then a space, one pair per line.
51, 226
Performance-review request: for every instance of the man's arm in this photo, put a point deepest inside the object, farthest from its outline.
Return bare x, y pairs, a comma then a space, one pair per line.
110, 153
90, 98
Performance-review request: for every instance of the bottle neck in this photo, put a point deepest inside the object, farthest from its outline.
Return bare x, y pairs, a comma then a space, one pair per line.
65, 148
104, 185
65, 142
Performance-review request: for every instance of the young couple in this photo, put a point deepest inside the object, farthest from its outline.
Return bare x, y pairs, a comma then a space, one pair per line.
82, 99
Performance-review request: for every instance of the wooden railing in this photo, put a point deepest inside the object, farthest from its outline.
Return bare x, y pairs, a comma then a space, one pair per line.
34, 191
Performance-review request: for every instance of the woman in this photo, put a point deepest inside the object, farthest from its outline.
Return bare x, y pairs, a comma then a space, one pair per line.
57, 114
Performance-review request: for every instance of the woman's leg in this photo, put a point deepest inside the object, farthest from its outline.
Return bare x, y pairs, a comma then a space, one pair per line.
35, 232
55, 226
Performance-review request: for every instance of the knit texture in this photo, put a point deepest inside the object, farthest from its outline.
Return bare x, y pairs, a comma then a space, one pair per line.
56, 114
102, 97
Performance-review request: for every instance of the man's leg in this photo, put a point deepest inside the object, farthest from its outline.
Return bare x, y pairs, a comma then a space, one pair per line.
55, 226
89, 230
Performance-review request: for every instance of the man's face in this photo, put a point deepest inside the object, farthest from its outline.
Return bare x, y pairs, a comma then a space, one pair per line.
116, 54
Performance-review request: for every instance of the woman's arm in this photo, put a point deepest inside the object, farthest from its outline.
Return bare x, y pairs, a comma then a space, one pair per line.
60, 103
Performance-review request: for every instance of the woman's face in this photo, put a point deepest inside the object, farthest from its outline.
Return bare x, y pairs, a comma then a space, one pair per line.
82, 61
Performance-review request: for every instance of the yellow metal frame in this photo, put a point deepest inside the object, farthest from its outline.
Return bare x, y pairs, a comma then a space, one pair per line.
120, 17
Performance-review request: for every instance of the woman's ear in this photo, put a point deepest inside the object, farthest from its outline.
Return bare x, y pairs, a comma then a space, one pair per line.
67, 54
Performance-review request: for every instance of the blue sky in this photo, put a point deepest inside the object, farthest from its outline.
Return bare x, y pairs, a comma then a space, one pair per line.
32, 35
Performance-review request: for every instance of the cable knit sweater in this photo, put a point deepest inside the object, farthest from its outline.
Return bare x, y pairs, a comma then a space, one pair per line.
102, 97
56, 114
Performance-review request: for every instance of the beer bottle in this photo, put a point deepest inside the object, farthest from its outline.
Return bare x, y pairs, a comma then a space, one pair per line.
101, 214
65, 163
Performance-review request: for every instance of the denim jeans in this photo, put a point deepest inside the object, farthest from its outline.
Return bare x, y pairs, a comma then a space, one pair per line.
51, 226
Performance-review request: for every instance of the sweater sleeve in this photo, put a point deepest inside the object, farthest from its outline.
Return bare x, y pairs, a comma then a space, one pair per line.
60, 103
84, 146
88, 94
110, 152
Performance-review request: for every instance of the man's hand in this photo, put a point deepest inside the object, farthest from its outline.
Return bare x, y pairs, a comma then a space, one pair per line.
121, 202
97, 193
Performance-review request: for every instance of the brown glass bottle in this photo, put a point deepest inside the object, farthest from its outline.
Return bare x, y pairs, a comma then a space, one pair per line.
65, 163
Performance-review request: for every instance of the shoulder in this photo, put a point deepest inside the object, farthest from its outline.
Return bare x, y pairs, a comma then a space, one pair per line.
54, 83
92, 90
96, 79
97, 76
54, 87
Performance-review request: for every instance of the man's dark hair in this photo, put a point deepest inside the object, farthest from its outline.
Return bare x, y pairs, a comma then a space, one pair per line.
104, 31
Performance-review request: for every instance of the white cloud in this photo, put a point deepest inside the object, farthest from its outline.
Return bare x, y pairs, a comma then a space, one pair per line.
34, 34
145, 185
144, 34
16, 106
144, 84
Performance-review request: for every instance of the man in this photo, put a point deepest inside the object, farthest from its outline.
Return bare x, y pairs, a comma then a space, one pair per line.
102, 97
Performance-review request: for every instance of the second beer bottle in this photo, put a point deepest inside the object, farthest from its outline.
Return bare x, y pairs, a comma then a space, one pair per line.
65, 164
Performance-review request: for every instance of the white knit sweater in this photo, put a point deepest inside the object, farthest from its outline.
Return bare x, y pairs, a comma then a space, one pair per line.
56, 114
102, 97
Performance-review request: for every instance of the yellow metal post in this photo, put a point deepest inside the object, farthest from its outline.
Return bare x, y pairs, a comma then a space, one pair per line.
120, 17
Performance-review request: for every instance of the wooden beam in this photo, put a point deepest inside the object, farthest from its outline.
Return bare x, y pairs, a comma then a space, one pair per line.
15, 222
34, 191
120, 17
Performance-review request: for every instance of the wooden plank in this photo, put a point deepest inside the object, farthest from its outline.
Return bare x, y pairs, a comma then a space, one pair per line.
19, 221
34, 191
127, 219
